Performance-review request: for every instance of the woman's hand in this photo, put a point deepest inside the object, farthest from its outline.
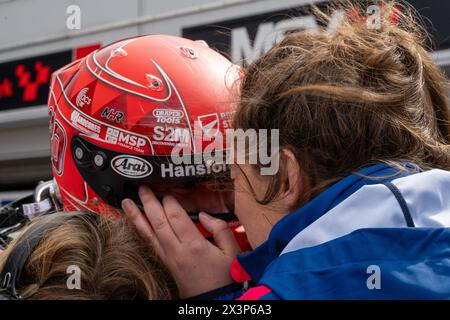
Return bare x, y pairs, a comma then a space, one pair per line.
197, 265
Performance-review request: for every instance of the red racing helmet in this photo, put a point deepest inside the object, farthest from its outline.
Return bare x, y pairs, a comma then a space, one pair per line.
118, 114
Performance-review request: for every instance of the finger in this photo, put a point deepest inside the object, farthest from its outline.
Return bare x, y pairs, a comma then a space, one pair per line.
179, 220
157, 218
142, 225
221, 233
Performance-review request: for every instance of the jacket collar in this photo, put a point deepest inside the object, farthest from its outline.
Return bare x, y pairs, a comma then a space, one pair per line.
255, 262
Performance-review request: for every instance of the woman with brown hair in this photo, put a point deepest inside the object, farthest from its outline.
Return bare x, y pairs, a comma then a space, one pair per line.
360, 205
81, 256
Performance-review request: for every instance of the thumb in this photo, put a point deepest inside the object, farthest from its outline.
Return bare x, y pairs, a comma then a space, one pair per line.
221, 233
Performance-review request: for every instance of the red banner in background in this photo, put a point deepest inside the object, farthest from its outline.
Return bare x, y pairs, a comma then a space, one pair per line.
25, 82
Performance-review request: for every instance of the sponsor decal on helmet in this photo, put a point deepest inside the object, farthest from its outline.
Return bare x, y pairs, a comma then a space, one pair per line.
112, 115
124, 139
227, 119
58, 141
210, 124
131, 166
168, 116
171, 136
82, 98
169, 170
80, 121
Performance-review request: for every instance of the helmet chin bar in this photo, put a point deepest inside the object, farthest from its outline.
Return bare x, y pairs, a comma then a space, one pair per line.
115, 176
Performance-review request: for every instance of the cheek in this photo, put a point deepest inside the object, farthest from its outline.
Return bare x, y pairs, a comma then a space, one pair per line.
244, 209
251, 218
245, 206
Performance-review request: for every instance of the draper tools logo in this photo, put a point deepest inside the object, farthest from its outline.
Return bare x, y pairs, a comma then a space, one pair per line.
168, 116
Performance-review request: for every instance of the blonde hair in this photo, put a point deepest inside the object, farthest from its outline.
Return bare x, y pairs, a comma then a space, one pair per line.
114, 262
351, 98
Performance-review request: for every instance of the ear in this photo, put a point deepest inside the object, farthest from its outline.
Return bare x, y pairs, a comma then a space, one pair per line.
296, 182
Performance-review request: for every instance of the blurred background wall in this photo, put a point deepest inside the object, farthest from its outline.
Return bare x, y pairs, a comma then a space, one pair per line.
35, 40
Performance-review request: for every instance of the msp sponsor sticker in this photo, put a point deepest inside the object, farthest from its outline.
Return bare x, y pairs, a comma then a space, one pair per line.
124, 139
131, 166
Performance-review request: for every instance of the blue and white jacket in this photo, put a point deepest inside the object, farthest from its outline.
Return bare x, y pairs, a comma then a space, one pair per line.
379, 234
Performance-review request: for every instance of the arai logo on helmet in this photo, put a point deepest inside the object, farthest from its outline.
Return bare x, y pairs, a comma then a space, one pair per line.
131, 166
